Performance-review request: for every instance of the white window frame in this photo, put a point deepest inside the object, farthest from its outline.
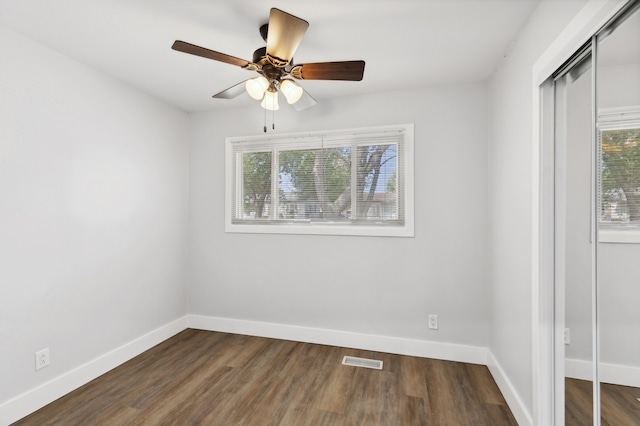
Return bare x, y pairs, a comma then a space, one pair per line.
326, 227
617, 119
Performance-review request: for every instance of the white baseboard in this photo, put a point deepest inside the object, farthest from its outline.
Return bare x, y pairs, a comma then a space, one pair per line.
395, 345
34, 399
578, 369
616, 374
519, 410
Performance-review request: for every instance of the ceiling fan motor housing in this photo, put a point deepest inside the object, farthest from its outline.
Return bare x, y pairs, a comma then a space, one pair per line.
272, 68
259, 55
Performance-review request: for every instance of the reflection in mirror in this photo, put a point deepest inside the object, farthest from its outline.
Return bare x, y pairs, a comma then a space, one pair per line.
618, 107
573, 240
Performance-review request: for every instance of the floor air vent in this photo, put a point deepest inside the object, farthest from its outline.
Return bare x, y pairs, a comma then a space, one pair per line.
362, 362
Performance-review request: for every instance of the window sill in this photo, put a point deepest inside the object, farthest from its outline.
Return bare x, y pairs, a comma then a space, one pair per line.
311, 228
620, 236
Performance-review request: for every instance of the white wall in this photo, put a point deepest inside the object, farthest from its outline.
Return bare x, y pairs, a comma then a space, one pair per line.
371, 285
93, 213
510, 194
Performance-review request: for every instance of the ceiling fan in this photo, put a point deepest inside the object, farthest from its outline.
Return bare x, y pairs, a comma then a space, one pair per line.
274, 63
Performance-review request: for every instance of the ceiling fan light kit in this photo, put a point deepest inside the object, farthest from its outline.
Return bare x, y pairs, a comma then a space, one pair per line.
291, 90
282, 34
270, 101
256, 87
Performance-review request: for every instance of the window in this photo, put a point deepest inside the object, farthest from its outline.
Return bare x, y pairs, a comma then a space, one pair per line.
350, 182
619, 180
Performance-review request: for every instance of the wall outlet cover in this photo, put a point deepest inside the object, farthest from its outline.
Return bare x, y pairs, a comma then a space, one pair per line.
42, 358
433, 322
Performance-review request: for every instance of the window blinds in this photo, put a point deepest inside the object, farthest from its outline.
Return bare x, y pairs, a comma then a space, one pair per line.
619, 180
341, 177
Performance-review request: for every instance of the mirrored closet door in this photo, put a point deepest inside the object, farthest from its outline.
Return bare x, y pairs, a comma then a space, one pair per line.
575, 251
597, 233
617, 89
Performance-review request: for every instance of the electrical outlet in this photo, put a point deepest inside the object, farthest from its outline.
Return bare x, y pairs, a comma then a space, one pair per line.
567, 336
433, 322
42, 358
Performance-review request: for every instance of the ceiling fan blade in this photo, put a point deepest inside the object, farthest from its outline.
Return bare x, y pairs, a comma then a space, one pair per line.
305, 101
232, 91
192, 49
284, 35
345, 70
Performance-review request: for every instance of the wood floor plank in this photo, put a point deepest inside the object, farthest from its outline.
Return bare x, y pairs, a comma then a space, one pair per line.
263, 382
304, 404
481, 379
619, 405
335, 395
208, 378
443, 405
323, 418
413, 410
412, 377
279, 387
182, 364
578, 402
368, 401
475, 410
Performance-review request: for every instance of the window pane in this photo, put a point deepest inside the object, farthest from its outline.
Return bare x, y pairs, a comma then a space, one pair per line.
620, 176
315, 183
377, 182
344, 182
256, 184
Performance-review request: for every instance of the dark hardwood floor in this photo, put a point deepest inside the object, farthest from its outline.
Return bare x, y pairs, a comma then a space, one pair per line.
209, 378
619, 404
578, 402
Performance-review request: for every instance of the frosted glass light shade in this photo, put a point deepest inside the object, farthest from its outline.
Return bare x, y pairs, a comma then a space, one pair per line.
291, 91
256, 87
270, 101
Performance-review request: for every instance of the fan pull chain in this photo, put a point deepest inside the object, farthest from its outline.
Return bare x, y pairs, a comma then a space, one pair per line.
273, 120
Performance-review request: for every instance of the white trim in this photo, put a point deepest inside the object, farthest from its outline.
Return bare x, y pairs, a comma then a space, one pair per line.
311, 228
509, 392
593, 16
578, 369
619, 235
34, 399
590, 19
617, 118
346, 339
617, 374
543, 270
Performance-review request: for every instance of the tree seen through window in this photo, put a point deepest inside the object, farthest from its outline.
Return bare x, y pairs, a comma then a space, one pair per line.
620, 176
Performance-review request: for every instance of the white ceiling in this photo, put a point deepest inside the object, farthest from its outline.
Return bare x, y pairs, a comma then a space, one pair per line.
405, 43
